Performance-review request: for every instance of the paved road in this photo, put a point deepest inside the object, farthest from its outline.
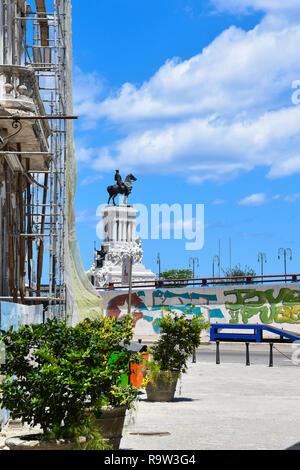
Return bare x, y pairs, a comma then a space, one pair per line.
259, 354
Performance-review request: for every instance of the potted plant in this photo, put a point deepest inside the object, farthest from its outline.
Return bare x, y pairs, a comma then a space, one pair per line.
60, 378
179, 337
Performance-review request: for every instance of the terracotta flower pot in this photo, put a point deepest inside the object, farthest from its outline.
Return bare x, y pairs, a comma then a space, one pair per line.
164, 387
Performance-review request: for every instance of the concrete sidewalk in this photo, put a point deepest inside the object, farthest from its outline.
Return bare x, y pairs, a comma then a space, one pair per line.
229, 406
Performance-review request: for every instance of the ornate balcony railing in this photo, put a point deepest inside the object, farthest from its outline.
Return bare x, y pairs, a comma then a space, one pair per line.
20, 96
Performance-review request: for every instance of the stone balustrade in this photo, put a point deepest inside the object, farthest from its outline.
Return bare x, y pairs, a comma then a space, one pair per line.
20, 96
19, 89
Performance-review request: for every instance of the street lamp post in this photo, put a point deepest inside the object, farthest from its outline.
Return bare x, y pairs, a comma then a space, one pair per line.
127, 276
130, 285
215, 258
158, 262
192, 262
285, 252
262, 258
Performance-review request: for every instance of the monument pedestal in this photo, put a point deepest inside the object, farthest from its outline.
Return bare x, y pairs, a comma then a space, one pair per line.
118, 242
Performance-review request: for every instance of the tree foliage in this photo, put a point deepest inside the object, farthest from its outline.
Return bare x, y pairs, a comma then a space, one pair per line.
54, 371
179, 337
237, 270
177, 274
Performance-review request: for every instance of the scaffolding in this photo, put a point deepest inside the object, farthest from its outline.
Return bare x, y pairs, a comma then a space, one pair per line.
36, 248
40, 260
45, 53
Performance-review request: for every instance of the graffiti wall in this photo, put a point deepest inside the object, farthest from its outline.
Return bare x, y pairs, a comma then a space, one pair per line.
277, 305
16, 315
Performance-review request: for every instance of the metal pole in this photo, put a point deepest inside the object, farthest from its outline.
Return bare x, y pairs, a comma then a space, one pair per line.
219, 264
284, 252
194, 356
130, 286
216, 258
217, 352
158, 262
271, 355
247, 355
285, 264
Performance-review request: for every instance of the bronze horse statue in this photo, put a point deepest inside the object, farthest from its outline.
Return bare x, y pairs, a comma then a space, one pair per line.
124, 187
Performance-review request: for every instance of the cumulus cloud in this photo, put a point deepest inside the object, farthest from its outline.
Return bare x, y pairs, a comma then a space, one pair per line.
91, 179
257, 199
263, 5
218, 202
225, 110
290, 198
85, 216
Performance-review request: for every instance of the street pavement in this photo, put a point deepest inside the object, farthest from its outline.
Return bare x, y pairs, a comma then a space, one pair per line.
226, 406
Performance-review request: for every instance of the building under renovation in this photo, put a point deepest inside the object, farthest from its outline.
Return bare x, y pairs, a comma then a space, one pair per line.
40, 262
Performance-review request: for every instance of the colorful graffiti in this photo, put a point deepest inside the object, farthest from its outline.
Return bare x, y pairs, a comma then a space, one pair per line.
241, 305
283, 308
17, 315
114, 310
162, 299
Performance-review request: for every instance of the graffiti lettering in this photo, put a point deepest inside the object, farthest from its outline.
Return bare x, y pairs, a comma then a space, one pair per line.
284, 307
288, 314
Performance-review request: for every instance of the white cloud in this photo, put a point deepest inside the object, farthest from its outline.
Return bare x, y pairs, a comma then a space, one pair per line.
217, 202
86, 87
256, 199
84, 154
227, 109
239, 72
285, 167
91, 179
204, 151
290, 198
84, 216
263, 5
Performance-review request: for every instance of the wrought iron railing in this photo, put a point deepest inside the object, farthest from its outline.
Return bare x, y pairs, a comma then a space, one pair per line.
207, 282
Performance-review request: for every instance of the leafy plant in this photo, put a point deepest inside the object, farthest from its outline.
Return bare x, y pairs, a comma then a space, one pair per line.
179, 337
88, 436
176, 274
237, 270
54, 372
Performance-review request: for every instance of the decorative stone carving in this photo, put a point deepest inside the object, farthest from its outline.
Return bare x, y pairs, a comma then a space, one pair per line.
118, 242
20, 96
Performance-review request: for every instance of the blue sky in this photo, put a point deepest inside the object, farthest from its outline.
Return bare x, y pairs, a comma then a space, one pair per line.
194, 98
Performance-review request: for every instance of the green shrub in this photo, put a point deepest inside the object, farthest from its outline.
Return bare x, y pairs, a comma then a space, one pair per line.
54, 372
179, 337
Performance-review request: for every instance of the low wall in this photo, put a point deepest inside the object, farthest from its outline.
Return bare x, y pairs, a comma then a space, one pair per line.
277, 305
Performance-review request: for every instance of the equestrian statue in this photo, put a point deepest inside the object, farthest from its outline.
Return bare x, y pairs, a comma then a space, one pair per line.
122, 187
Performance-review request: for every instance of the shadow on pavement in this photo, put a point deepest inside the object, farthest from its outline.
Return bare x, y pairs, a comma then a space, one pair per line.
294, 446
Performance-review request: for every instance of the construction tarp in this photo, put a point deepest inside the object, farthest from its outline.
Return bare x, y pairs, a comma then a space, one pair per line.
82, 299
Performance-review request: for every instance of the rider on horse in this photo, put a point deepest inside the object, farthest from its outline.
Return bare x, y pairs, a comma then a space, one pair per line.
122, 187
119, 180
